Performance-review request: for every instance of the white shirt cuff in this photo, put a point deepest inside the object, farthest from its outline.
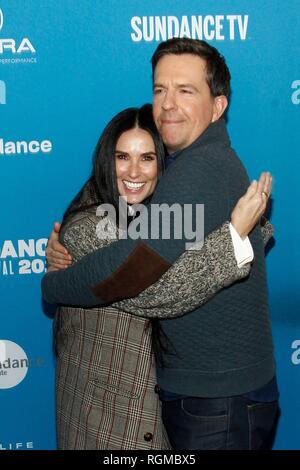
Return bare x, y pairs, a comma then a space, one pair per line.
243, 250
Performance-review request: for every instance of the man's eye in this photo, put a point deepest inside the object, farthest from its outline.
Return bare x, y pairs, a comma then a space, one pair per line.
185, 90
157, 91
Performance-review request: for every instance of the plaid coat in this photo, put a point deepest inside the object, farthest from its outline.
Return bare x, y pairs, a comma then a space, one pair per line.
105, 380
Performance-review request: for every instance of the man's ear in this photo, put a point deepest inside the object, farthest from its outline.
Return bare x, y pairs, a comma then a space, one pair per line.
220, 104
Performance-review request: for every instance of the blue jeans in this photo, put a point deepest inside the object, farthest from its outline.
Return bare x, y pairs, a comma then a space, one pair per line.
234, 423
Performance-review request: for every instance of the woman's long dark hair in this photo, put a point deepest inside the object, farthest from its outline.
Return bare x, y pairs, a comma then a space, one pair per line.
101, 186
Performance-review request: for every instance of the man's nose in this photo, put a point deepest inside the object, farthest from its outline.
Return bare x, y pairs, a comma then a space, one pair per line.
169, 101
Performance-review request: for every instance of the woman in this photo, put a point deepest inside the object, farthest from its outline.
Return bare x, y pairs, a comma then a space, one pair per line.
105, 365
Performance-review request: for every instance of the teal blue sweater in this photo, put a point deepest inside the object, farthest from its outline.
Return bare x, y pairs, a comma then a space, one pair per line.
222, 349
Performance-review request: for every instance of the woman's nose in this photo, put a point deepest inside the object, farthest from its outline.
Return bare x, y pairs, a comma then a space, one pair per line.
134, 169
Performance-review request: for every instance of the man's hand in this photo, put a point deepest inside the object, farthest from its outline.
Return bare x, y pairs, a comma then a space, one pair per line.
252, 205
57, 255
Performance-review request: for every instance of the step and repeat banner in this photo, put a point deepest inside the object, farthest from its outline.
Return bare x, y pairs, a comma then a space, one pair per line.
66, 67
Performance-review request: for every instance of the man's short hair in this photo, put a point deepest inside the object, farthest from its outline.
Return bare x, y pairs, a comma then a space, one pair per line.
218, 75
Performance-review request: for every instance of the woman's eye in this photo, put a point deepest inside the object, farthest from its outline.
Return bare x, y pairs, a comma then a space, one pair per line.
120, 156
148, 157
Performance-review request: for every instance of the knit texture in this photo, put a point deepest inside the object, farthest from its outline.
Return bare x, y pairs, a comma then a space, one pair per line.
193, 279
225, 348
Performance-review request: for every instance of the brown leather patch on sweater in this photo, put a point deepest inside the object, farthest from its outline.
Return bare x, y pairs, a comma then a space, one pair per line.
141, 269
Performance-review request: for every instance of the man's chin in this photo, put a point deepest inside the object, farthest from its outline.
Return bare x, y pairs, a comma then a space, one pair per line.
172, 146
171, 140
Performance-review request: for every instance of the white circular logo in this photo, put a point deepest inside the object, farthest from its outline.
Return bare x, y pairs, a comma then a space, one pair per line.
1, 19
13, 364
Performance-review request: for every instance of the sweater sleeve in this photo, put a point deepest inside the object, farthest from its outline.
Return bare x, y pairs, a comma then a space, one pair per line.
125, 268
191, 281
194, 278
267, 230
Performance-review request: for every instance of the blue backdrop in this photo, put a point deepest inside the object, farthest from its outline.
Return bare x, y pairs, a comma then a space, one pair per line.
66, 67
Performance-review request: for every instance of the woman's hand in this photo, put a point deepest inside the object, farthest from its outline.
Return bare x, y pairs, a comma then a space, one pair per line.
250, 207
57, 255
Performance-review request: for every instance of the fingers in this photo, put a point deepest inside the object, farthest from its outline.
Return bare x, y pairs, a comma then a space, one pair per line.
251, 206
57, 255
59, 249
259, 191
55, 248
57, 260
56, 266
252, 188
265, 185
268, 185
56, 227
54, 235
262, 182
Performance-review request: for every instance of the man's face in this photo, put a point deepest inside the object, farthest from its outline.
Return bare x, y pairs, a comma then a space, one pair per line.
183, 106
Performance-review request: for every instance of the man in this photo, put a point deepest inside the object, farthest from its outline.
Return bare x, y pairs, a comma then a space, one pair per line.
217, 384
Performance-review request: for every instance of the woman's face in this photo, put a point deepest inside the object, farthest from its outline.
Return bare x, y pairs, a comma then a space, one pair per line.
136, 165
